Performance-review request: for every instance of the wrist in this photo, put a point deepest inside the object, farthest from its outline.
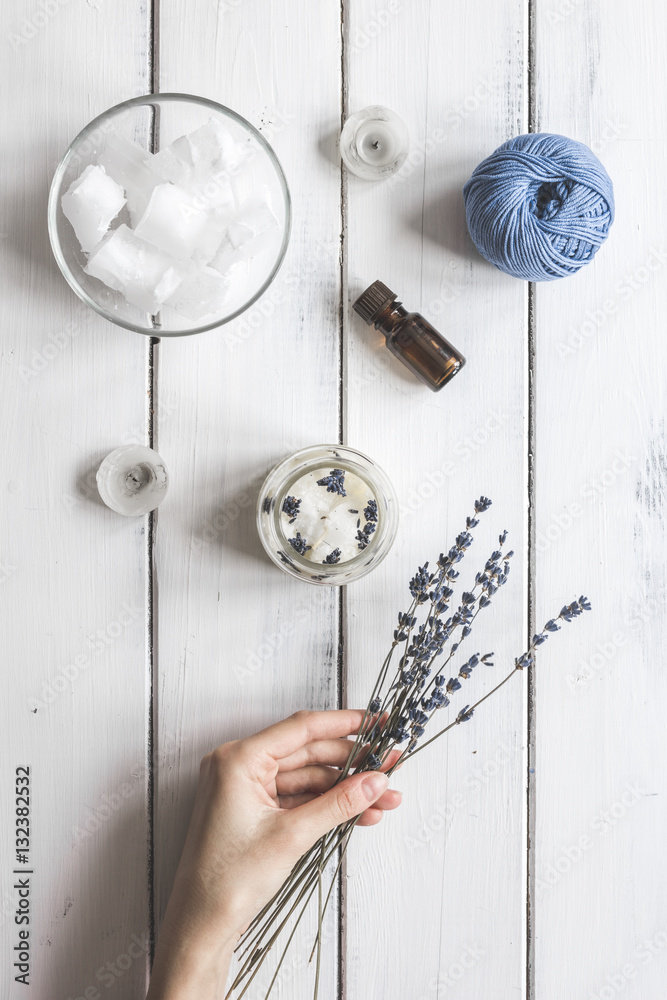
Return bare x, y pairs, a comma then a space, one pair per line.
191, 960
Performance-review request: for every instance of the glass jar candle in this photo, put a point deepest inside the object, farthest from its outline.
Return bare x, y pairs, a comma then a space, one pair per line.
327, 514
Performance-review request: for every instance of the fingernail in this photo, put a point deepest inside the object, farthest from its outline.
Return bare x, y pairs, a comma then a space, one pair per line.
373, 785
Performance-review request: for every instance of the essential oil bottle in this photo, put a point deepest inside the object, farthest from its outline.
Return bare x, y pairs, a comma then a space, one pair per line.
410, 337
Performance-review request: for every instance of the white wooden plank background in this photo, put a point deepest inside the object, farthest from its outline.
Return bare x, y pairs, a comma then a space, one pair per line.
74, 703
435, 900
412, 235
239, 645
600, 393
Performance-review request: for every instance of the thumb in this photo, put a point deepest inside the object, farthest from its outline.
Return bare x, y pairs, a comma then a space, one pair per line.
341, 803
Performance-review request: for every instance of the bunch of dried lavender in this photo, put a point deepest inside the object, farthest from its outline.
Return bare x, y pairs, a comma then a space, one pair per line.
400, 708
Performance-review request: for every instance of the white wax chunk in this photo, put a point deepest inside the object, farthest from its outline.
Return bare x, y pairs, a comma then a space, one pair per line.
201, 293
130, 166
91, 203
207, 245
251, 228
310, 521
239, 275
327, 521
251, 221
145, 275
173, 221
217, 201
213, 148
197, 163
340, 533
212, 237
245, 185
215, 192
225, 256
174, 162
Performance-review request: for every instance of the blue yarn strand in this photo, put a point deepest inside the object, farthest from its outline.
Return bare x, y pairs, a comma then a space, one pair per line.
540, 207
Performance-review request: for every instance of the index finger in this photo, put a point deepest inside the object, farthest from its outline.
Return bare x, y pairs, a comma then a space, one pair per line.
283, 738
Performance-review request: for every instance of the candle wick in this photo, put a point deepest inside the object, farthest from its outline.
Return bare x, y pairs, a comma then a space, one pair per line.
376, 144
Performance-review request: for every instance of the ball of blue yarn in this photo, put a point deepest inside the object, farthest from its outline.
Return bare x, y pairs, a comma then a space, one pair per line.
540, 207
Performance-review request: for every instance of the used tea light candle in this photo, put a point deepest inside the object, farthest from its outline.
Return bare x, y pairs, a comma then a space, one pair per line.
327, 514
132, 480
374, 143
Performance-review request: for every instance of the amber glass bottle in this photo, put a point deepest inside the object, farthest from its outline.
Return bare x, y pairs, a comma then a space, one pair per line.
410, 337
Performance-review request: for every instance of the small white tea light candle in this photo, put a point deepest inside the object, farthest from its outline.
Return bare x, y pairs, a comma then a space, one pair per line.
132, 480
374, 143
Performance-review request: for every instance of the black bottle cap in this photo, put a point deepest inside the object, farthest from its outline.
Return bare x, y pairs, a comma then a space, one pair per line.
370, 303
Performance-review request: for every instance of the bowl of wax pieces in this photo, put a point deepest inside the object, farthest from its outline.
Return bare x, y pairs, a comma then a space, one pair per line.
169, 214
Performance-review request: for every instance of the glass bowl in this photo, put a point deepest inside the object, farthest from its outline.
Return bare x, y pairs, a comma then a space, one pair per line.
298, 496
154, 122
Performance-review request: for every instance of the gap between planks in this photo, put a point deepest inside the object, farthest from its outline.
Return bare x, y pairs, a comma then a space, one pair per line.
342, 434
531, 82
153, 76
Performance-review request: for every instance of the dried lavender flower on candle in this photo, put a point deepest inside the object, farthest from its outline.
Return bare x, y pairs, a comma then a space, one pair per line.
334, 482
291, 508
299, 544
363, 536
371, 510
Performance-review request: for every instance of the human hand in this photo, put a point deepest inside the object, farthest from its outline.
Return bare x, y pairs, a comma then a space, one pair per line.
261, 802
